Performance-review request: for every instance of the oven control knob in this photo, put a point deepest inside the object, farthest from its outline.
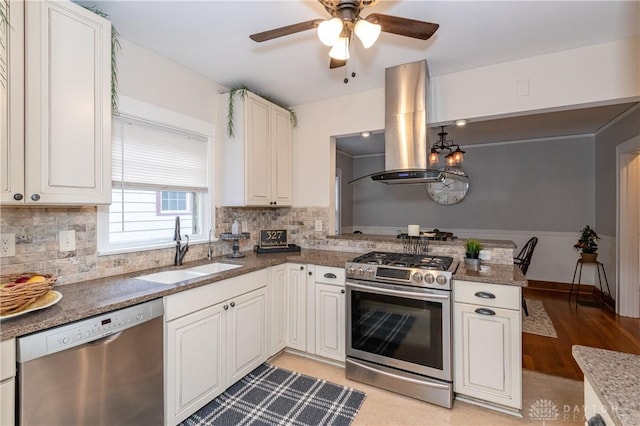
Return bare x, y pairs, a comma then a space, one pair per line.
429, 278
360, 271
417, 277
369, 272
441, 279
350, 270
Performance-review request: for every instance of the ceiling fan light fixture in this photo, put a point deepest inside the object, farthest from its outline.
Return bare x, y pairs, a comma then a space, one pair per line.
340, 50
329, 31
367, 32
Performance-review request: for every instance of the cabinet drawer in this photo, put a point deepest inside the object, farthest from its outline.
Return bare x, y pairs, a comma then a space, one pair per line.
330, 275
7, 359
494, 295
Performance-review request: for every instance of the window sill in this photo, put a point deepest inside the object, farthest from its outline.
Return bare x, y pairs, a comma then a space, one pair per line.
150, 247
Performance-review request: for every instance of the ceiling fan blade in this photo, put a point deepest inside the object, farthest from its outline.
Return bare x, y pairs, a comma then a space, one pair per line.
284, 31
404, 26
337, 63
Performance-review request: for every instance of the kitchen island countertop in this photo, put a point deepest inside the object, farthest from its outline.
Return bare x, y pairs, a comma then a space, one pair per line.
94, 297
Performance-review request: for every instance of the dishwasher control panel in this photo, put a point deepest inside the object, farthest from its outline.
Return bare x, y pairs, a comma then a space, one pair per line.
89, 330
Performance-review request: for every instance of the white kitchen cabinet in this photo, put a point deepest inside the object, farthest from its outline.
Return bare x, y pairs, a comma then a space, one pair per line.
330, 320
196, 361
247, 334
256, 162
7, 382
488, 344
57, 146
277, 316
296, 306
214, 335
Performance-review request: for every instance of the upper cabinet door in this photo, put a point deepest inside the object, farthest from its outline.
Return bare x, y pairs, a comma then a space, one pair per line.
68, 104
281, 155
12, 106
258, 168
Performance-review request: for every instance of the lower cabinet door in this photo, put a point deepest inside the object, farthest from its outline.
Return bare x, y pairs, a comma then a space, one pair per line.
295, 306
196, 358
7, 402
247, 334
330, 321
487, 348
276, 309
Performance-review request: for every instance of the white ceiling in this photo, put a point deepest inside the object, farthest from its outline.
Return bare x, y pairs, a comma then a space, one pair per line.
212, 38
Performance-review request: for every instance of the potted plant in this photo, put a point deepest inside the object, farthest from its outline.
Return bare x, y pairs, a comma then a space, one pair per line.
472, 252
587, 245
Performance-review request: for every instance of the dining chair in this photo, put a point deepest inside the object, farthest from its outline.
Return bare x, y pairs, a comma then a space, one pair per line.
523, 260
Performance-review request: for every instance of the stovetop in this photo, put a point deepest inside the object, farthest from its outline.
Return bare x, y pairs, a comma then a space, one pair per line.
421, 261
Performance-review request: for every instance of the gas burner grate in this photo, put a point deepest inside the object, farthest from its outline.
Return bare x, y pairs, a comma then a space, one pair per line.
405, 260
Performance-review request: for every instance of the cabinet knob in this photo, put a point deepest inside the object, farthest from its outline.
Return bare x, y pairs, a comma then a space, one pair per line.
18, 196
232, 304
302, 268
342, 291
225, 307
35, 197
310, 273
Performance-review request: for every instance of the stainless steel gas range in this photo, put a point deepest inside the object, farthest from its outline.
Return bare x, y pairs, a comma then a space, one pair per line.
399, 324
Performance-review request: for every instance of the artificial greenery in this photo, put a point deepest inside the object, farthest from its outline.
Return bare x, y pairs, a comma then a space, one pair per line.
587, 243
472, 248
115, 47
242, 92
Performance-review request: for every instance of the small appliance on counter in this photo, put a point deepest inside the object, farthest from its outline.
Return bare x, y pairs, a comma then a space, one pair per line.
274, 241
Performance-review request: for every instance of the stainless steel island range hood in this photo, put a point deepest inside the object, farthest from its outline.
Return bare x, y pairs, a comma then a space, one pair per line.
406, 134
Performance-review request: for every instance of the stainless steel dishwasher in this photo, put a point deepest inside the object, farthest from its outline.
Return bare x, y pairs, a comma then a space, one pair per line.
105, 370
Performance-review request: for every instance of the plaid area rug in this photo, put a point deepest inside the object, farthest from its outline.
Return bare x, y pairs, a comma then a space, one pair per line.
274, 396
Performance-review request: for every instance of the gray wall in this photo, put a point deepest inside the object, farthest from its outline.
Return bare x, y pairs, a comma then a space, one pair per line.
345, 163
606, 141
530, 186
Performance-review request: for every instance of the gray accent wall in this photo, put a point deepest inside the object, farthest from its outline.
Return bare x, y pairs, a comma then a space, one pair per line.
607, 140
544, 185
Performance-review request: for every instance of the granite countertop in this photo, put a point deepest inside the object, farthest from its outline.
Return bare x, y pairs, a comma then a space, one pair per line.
615, 377
88, 298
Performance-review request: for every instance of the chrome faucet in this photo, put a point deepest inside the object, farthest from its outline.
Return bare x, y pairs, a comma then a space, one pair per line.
181, 250
210, 250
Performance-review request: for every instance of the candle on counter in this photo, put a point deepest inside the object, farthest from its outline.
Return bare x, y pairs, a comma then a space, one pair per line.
413, 230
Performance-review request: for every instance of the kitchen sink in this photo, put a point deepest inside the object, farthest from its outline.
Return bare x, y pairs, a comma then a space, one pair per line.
172, 277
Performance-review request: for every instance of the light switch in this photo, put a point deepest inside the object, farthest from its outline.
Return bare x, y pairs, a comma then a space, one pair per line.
67, 240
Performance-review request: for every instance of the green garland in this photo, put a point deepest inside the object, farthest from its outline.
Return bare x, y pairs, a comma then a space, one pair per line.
115, 47
242, 91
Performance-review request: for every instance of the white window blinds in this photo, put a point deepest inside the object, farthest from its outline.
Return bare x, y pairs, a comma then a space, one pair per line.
147, 155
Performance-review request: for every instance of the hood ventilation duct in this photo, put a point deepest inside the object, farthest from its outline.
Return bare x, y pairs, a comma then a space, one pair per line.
406, 133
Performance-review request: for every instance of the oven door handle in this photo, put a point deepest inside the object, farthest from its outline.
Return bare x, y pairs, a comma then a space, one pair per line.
398, 377
391, 292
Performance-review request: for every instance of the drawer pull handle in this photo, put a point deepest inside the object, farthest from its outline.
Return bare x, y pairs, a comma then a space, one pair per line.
485, 311
485, 295
330, 275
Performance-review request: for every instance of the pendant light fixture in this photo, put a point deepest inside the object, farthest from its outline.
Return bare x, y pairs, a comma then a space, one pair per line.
453, 155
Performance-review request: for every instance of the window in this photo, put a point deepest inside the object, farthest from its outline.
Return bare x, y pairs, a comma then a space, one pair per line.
159, 173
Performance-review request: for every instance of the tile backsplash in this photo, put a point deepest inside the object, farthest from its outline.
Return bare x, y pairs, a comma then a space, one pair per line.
37, 247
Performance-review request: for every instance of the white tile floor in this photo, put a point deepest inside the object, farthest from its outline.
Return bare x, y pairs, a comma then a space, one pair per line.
385, 408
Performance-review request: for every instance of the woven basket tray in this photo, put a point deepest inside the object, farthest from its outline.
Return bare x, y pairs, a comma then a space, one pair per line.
16, 293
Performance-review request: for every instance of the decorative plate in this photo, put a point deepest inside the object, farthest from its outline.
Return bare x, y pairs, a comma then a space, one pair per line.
49, 299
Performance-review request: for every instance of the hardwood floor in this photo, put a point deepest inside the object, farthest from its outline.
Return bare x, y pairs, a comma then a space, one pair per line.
584, 325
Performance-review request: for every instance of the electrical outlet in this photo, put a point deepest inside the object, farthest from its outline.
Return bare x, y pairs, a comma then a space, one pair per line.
319, 225
7, 245
67, 240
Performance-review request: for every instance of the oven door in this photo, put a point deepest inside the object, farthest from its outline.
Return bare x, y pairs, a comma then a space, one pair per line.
397, 326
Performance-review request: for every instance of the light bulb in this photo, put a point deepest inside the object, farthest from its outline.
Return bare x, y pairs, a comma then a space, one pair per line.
340, 50
450, 161
433, 157
367, 32
457, 156
329, 31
